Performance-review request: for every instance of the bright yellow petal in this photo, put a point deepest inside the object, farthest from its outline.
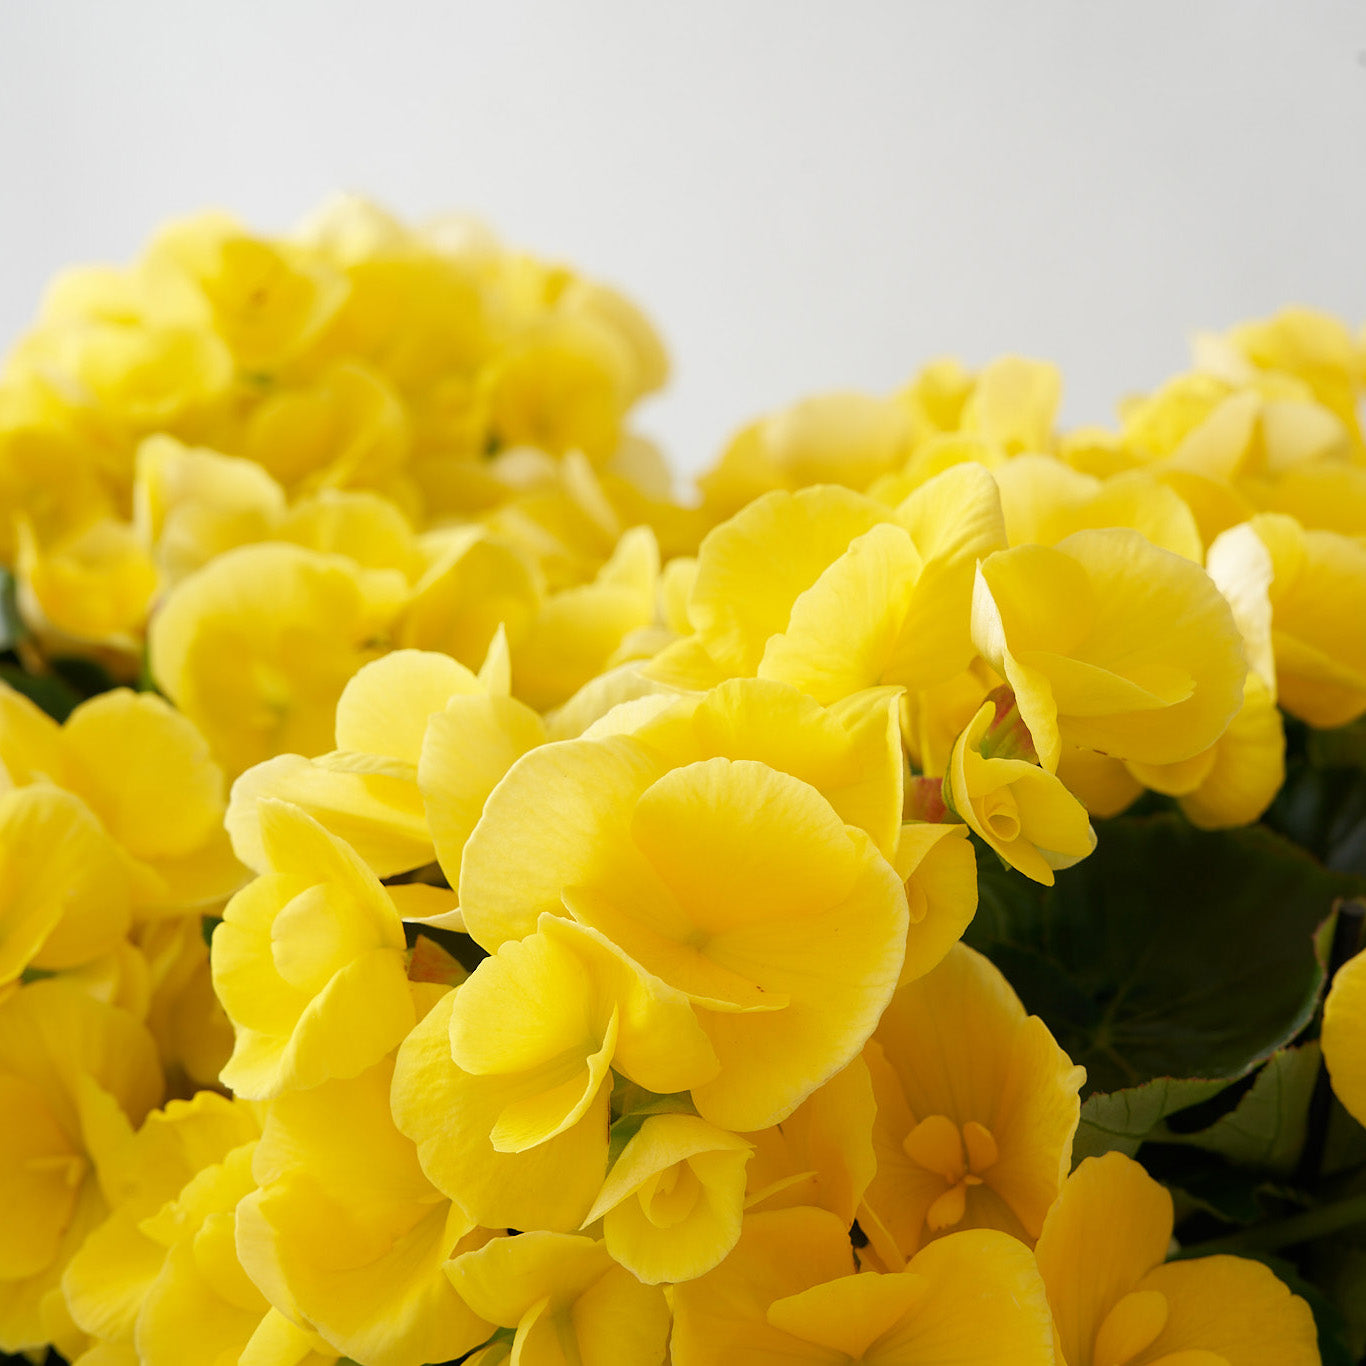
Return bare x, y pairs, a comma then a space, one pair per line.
467, 748
751, 568
1344, 1035
1107, 1229
1234, 1308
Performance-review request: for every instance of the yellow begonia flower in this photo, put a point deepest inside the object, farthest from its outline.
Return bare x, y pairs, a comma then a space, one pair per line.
1318, 584
1044, 501
564, 385
578, 632
146, 775
90, 588
977, 1106
1344, 1035
1111, 644
1251, 440
474, 584
511, 1121
934, 398
345, 1233
184, 1016
65, 896
107, 1279
309, 963
736, 884
834, 592
843, 438
146, 376
849, 752
1314, 347
1115, 1304
256, 647
939, 869
191, 504
1021, 810
266, 300
365, 527
671, 1204
1236, 779
200, 1309
75, 1074
1327, 495
1013, 404
822, 1153
588, 298
570, 1304
421, 741
786, 1294
47, 476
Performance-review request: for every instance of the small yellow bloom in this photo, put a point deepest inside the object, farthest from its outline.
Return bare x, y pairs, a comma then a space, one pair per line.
1021, 810
822, 1153
671, 1204
736, 884
977, 1106
1101, 1253
1344, 1035
842, 438
347, 1235
566, 1298
75, 1075
1318, 583
787, 1293
420, 742
309, 963
65, 893
562, 386
939, 869
93, 587
256, 647
512, 1122
1111, 644
267, 301
107, 1280
201, 1307
190, 504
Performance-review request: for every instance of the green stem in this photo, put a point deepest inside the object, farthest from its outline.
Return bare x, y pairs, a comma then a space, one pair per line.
1298, 1228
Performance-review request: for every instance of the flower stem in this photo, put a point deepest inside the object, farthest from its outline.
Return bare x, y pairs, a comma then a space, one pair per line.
1298, 1228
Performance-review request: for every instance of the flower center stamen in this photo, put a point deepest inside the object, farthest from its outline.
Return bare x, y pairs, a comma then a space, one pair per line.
959, 1156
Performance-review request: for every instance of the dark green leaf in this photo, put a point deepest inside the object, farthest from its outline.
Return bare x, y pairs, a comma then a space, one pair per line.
1119, 1121
56, 698
1202, 1181
1324, 809
1170, 952
12, 628
83, 676
1266, 1131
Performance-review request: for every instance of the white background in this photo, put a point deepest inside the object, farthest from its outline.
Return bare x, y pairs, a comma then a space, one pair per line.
805, 196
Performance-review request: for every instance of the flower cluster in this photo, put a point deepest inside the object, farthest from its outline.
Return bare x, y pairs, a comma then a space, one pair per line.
587, 981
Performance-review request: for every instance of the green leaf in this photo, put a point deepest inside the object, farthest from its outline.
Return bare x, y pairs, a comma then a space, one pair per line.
1170, 952
12, 628
1119, 1121
1203, 1182
1323, 807
56, 698
83, 676
1344, 747
1266, 1130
